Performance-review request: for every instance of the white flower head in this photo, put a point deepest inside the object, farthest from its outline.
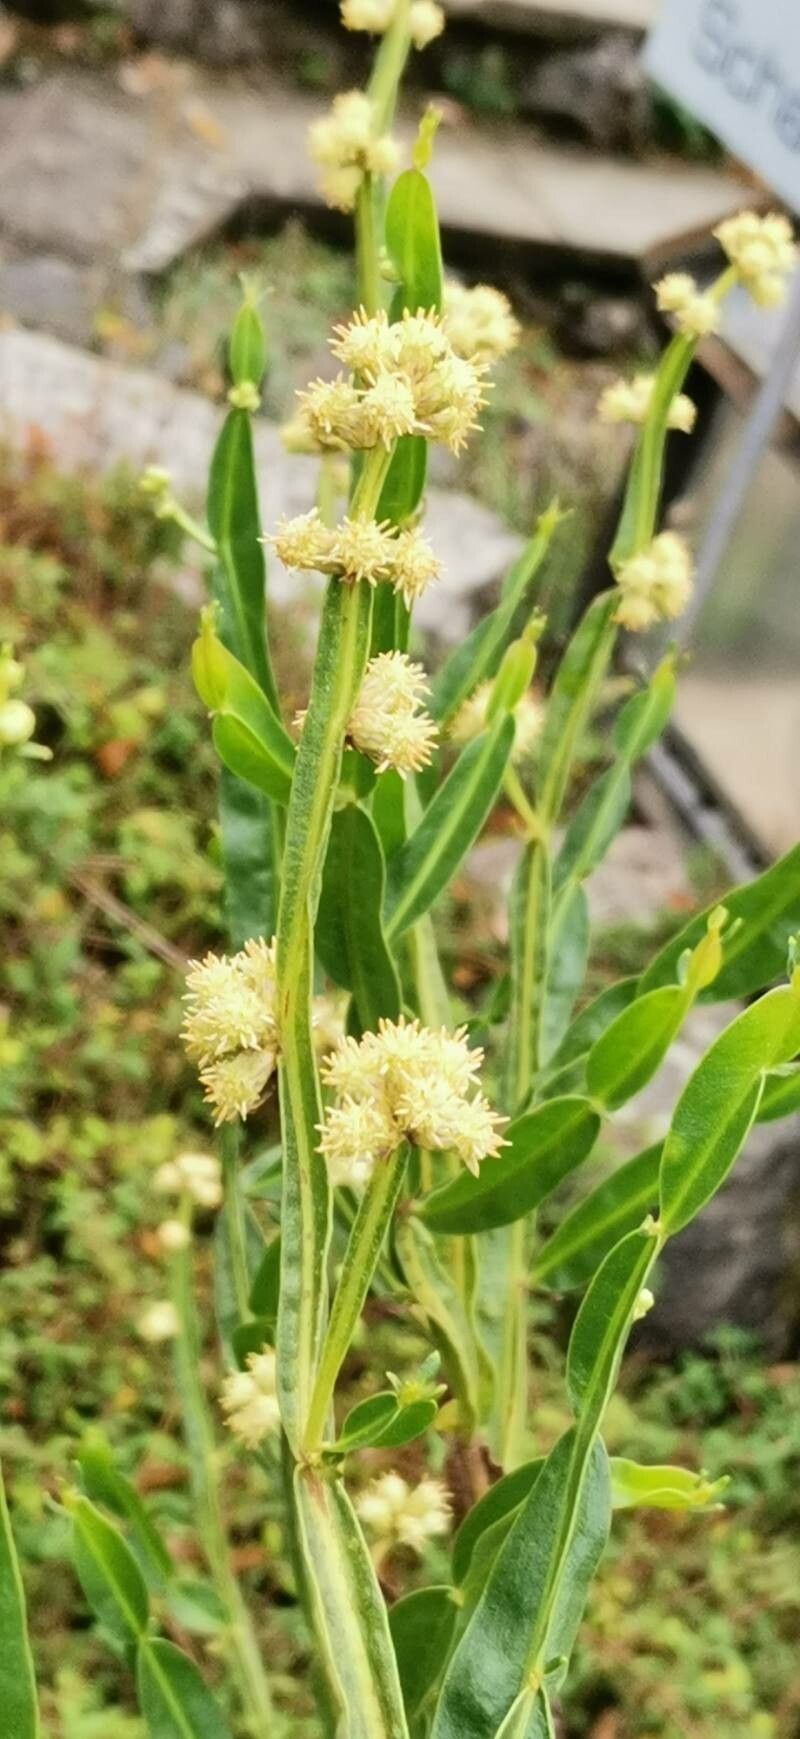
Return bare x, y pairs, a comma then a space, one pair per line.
249, 1399
230, 1026
425, 22
479, 321
696, 312
629, 401
372, 15
345, 144
388, 722
400, 1514
417, 1085
197, 1174
655, 585
234, 1086
764, 252
529, 715
159, 1322
173, 1235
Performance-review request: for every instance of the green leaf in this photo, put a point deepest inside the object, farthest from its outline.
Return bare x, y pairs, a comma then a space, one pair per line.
591, 1022
596, 822
422, 1626
601, 1326
405, 481
246, 826
720, 1101
17, 1681
196, 1606
755, 955
502, 1500
570, 1257
638, 517
382, 1422
173, 1699
248, 735
532, 1602
529, 916
233, 519
579, 674
661, 1488
422, 867
250, 1337
108, 1573
628, 1053
567, 952
478, 657
435, 1293
781, 1096
349, 935
544, 1146
104, 1484
412, 240
351, 1619
264, 1290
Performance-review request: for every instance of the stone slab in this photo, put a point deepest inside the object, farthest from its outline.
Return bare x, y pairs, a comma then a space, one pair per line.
89, 170
553, 19
94, 413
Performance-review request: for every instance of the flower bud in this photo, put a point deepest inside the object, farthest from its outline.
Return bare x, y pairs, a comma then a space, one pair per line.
247, 351
17, 724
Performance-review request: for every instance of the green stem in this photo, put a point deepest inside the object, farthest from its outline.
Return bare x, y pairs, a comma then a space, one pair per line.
233, 1212
361, 1256
389, 66
367, 272
342, 653
186, 521
203, 1454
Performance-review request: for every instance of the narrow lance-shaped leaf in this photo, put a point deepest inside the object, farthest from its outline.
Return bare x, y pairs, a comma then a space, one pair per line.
720, 1101
767, 912
422, 867
17, 1682
640, 507
412, 241
781, 1095
383, 1421
105, 1484
627, 1055
351, 1620
421, 1625
478, 657
234, 522
543, 1148
529, 919
565, 969
521, 1621
578, 677
599, 817
248, 736
590, 1023
108, 1572
349, 935
662, 1488
601, 1326
583, 1238
174, 1701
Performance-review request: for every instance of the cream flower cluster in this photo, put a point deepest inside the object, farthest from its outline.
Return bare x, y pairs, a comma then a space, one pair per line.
158, 1322
403, 1515
629, 401
696, 312
345, 144
249, 1399
763, 251
479, 321
470, 720
388, 722
425, 18
404, 378
404, 1083
230, 1028
359, 549
655, 585
196, 1175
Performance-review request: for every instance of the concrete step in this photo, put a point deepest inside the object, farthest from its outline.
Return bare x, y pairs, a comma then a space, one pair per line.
96, 174
556, 20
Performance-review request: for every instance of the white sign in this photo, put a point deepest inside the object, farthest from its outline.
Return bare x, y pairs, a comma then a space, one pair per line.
736, 65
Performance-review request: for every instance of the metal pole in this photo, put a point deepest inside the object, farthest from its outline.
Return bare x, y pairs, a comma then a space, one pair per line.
759, 424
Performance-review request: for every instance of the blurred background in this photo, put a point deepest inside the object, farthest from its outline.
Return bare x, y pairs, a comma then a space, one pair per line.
150, 151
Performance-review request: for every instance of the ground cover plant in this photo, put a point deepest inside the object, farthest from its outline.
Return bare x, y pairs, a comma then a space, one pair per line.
405, 1155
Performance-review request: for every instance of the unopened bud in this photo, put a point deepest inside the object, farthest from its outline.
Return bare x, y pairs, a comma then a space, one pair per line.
247, 351
155, 482
17, 723
705, 960
245, 396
